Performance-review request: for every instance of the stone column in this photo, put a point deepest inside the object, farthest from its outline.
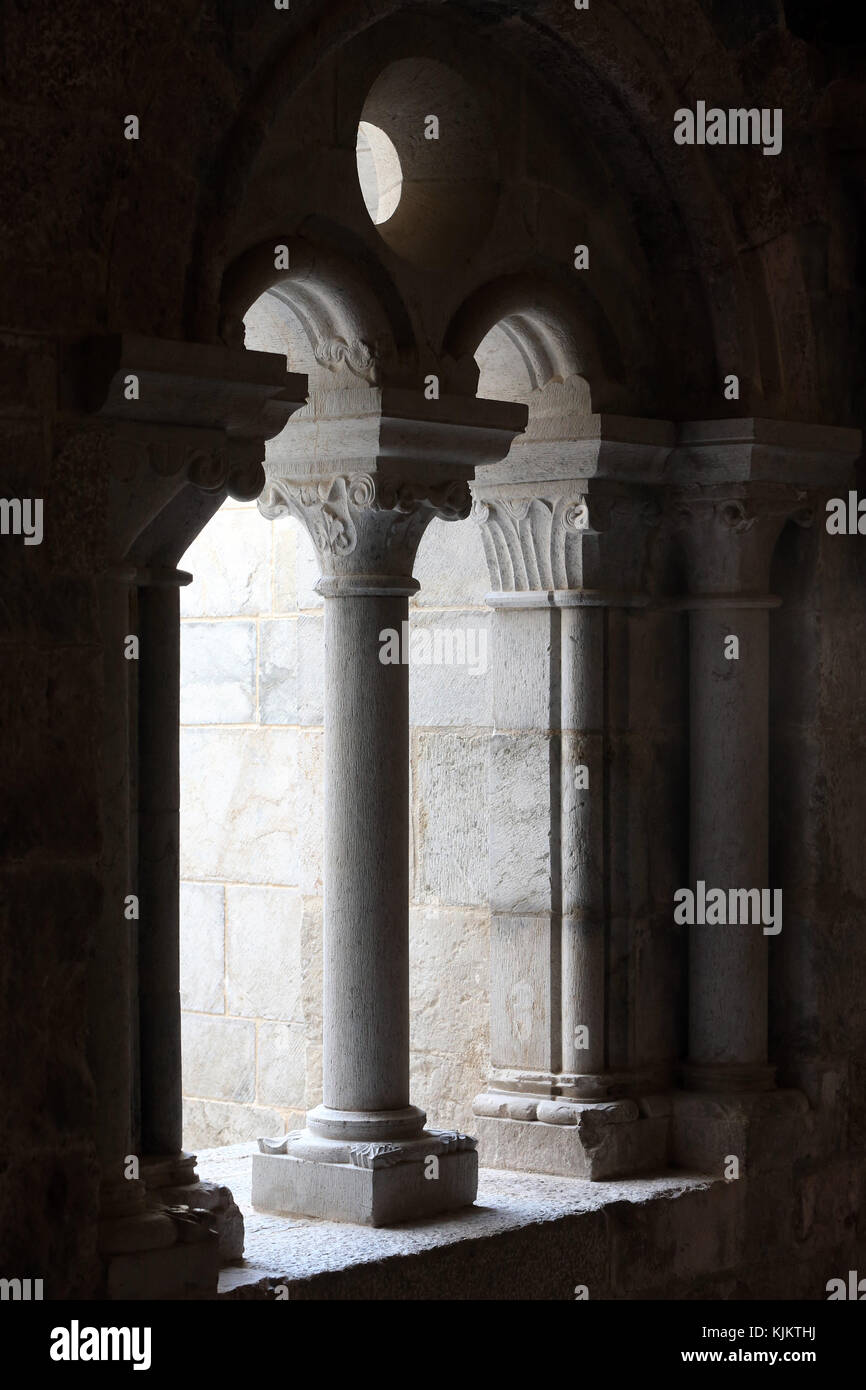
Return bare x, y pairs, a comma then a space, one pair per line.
365, 1155
181, 426
729, 534
742, 480
124, 1220
158, 867
562, 1088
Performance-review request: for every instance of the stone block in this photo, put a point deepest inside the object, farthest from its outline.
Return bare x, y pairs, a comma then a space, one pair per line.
263, 952
218, 1200
217, 672
231, 566
520, 774
219, 1057
521, 1002
252, 807
443, 1085
449, 818
311, 669
450, 565
202, 958
278, 671
448, 971
763, 1130
454, 688
685, 1235
524, 654
365, 1196
217, 1123
284, 577
281, 1065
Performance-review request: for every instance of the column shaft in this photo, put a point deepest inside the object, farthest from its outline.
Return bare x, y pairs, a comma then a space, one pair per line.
582, 840
159, 927
366, 930
729, 800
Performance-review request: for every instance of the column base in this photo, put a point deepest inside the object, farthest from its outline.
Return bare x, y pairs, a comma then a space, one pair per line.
173, 1185
157, 1248
576, 1139
369, 1184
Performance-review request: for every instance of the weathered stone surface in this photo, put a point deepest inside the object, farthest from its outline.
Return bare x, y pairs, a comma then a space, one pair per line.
520, 868
449, 817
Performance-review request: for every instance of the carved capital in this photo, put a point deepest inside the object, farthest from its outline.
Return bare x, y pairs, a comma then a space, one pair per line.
365, 525
584, 535
729, 532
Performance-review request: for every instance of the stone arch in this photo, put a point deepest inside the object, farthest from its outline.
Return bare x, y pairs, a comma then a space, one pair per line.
625, 96
558, 333
346, 320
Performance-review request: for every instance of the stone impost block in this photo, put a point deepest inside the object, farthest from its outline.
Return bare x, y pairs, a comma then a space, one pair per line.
374, 1196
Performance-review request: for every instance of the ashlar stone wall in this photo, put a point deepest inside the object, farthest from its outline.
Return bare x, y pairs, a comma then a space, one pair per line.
252, 818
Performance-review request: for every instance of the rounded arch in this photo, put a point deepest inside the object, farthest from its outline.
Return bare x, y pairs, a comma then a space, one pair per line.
559, 334
346, 323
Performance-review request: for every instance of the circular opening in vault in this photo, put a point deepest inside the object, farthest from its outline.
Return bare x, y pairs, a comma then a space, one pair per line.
379, 172
428, 163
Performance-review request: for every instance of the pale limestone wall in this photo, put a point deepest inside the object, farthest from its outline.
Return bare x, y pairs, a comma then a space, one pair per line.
251, 831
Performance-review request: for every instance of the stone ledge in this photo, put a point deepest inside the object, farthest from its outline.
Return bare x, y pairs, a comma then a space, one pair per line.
529, 1235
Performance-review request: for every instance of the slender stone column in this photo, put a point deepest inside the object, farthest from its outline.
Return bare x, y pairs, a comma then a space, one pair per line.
366, 945
365, 1155
729, 535
110, 980
583, 642
158, 864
